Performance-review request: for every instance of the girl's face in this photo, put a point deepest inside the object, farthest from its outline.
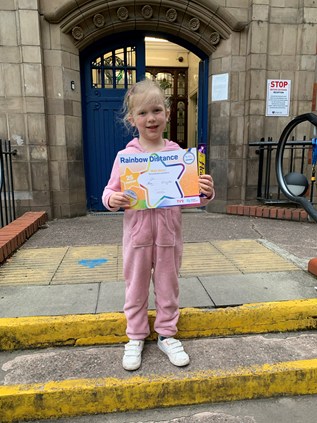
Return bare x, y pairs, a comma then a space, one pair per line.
149, 117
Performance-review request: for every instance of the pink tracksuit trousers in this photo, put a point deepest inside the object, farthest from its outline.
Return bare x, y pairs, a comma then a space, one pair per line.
152, 248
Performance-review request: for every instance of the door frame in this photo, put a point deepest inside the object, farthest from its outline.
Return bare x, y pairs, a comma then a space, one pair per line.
118, 40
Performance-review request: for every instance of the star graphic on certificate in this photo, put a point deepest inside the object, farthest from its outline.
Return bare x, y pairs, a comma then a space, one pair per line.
161, 181
129, 179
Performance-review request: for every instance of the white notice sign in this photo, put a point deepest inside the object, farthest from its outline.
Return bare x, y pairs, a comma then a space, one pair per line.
219, 87
278, 97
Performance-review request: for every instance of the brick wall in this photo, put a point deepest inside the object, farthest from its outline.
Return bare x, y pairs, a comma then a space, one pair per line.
17, 232
269, 212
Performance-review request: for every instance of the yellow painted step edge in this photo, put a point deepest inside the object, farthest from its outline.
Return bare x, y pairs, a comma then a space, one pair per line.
90, 396
109, 328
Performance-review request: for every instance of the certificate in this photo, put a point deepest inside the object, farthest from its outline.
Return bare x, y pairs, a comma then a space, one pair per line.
162, 179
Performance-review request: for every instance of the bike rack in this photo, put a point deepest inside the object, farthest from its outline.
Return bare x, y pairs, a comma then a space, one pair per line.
307, 205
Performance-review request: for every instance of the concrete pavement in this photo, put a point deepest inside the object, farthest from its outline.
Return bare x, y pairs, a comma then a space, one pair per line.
302, 409
240, 276
74, 266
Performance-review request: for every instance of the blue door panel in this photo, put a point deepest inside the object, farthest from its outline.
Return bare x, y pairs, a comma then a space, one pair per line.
107, 137
103, 129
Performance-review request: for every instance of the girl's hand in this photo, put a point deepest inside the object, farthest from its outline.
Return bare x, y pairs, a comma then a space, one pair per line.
118, 200
206, 185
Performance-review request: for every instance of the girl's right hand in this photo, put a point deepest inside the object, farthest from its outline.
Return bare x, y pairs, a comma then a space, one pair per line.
119, 200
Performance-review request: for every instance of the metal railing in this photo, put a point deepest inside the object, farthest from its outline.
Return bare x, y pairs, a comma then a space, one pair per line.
7, 203
297, 158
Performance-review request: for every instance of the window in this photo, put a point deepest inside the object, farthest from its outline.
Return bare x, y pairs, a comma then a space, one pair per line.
115, 69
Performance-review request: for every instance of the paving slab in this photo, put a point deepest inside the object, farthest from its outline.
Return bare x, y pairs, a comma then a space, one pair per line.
230, 290
192, 294
30, 300
111, 297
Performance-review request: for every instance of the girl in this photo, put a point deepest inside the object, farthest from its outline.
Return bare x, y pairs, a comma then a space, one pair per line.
152, 238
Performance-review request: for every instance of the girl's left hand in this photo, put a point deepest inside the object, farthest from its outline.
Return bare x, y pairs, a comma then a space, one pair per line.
206, 185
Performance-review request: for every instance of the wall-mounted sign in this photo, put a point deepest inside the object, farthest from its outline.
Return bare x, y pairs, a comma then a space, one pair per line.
220, 87
278, 97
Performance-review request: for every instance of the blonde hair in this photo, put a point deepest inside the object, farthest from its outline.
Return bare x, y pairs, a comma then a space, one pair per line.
149, 90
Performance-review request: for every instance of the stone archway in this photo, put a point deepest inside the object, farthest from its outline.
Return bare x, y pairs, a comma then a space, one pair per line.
202, 23
72, 26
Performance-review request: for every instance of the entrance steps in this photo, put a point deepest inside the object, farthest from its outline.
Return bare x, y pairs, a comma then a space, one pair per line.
253, 351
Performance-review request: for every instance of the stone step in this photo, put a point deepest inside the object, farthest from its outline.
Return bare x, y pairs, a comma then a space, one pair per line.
69, 381
109, 328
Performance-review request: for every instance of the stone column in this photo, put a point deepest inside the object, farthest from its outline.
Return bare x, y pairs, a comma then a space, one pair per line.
227, 118
63, 100
22, 109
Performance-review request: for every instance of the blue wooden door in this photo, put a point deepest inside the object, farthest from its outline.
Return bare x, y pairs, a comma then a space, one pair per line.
107, 74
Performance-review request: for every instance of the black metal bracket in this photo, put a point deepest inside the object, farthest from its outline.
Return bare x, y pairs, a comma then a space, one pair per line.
307, 205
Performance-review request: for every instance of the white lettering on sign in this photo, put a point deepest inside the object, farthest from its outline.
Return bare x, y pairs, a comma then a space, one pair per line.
279, 84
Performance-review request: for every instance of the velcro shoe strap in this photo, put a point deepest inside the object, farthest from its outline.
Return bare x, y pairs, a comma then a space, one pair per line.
175, 346
133, 348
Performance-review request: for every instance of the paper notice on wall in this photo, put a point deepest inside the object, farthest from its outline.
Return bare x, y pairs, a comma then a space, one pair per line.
220, 87
278, 97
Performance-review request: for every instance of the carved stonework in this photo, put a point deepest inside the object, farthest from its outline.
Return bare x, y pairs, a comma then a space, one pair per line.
171, 15
122, 13
194, 24
99, 20
215, 38
78, 33
147, 11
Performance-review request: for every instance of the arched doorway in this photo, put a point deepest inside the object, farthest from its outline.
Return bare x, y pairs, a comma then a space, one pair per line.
108, 69
79, 26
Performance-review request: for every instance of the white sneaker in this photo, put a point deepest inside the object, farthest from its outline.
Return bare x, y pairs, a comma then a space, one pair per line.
174, 350
132, 355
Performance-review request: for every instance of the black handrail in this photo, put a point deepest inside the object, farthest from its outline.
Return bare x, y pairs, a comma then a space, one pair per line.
7, 201
307, 205
266, 151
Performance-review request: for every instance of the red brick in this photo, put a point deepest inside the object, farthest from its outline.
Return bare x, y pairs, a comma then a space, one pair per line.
266, 212
44, 218
288, 214
259, 211
240, 210
303, 216
280, 213
13, 235
253, 210
312, 266
2, 256
234, 209
5, 237
273, 213
7, 248
296, 215
246, 210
